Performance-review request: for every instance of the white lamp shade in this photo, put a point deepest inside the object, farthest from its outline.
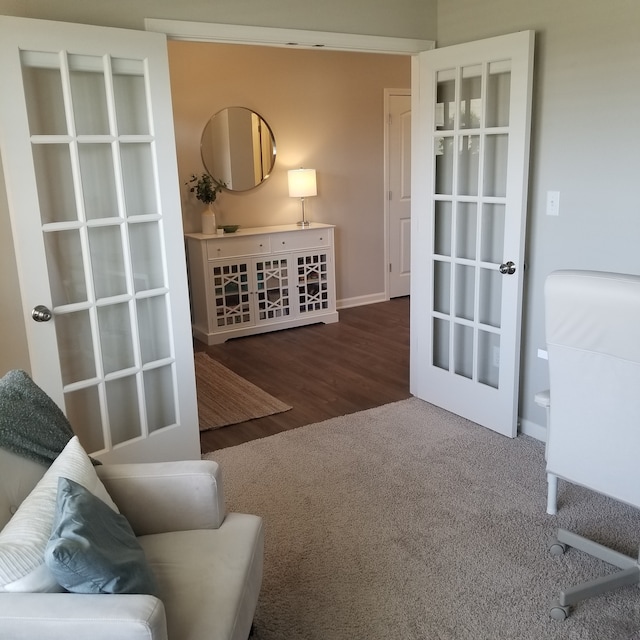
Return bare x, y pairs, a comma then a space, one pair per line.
302, 183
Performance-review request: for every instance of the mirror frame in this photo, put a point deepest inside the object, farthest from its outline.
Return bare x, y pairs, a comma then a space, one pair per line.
251, 156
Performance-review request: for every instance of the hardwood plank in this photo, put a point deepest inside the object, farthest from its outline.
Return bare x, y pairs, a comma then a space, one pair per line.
322, 371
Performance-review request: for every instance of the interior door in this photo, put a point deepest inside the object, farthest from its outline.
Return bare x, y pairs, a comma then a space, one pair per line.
399, 172
472, 112
88, 153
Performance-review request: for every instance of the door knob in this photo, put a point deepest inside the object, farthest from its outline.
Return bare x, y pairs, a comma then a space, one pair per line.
40, 313
507, 268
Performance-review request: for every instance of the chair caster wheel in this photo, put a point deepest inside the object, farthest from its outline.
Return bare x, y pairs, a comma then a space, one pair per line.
557, 548
558, 612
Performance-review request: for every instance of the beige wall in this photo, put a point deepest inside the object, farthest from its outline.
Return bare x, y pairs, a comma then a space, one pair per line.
326, 112
586, 137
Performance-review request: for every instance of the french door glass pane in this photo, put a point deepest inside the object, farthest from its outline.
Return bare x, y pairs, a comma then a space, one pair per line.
444, 166
443, 228
56, 195
488, 358
441, 343
122, 406
492, 230
466, 226
158, 391
498, 90
75, 345
490, 297
43, 93
107, 260
130, 95
471, 97
465, 291
446, 100
463, 350
468, 165
83, 412
115, 337
138, 179
86, 77
442, 287
495, 165
98, 181
146, 256
66, 270
153, 327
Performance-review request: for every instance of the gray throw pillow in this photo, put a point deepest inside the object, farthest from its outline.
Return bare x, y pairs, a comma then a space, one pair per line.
92, 549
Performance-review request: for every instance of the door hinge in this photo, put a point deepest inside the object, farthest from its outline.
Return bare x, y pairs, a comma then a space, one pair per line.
390, 267
390, 194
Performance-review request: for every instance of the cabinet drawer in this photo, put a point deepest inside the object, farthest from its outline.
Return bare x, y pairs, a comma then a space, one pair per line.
295, 240
231, 247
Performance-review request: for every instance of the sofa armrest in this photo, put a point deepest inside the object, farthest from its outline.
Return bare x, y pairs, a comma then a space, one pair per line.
60, 616
158, 497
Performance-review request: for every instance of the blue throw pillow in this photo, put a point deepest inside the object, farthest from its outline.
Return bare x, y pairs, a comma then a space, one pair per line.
92, 549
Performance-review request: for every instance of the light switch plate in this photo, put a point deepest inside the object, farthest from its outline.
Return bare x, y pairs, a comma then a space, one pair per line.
553, 203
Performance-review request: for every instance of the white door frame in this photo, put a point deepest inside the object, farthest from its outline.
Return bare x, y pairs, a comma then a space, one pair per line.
287, 38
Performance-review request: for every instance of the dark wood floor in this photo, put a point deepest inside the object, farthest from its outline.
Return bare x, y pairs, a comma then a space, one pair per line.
322, 371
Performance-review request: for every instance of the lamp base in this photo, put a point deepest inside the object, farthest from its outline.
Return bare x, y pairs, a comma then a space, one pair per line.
303, 223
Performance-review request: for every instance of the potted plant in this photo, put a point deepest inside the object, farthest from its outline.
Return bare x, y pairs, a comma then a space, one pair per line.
205, 187
206, 190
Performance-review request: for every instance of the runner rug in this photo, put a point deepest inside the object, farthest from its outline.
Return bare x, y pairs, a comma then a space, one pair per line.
226, 398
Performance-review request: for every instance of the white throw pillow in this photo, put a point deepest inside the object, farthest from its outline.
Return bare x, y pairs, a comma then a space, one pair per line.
24, 538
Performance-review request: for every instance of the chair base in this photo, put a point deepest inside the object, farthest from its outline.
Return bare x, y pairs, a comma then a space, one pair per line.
629, 574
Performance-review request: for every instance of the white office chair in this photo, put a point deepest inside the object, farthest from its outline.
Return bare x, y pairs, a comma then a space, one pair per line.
593, 341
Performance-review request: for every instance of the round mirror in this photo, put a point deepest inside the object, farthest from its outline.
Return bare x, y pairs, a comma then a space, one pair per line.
238, 148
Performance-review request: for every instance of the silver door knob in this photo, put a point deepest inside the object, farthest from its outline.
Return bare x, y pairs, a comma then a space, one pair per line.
507, 268
41, 313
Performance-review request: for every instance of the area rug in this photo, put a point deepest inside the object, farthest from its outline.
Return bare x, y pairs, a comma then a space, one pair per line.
406, 522
226, 398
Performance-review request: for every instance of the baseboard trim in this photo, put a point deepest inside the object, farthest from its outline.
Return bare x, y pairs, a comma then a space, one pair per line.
359, 301
534, 430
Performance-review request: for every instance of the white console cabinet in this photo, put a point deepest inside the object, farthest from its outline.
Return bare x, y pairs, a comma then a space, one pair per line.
261, 279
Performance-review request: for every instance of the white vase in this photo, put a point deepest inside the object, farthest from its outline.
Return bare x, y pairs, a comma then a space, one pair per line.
208, 222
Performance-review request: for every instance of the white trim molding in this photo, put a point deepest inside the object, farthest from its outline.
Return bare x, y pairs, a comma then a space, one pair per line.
358, 301
534, 430
293, 38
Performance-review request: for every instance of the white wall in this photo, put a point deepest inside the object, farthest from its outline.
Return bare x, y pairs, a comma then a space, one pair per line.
585, 143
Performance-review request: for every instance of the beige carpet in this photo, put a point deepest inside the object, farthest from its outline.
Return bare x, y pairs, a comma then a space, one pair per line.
405, 522
226, 398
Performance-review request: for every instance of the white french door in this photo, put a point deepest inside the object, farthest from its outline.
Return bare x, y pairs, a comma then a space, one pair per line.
472, 112
88, 153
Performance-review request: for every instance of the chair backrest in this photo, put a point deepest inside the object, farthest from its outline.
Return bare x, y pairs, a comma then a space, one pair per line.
18, 476
593, 342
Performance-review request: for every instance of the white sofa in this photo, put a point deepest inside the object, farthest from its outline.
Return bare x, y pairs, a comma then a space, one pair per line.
208, 563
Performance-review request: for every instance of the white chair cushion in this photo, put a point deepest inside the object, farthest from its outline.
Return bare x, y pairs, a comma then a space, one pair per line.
24, 538
209, 579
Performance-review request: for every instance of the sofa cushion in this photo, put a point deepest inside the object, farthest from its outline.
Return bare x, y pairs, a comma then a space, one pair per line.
24, 538
209, 579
